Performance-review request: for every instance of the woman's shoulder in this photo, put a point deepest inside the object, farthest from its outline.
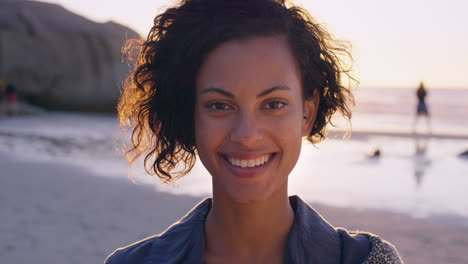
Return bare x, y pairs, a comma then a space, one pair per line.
181, 239
349, 246
381, 251
155, 247
133, 253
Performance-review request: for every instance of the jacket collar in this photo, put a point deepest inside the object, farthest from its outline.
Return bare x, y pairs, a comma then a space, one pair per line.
311, 238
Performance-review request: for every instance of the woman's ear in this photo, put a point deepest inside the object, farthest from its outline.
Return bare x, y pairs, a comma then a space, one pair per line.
310, 113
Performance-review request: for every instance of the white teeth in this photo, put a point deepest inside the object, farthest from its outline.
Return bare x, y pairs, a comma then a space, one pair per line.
243, 163
258, 162
249, 163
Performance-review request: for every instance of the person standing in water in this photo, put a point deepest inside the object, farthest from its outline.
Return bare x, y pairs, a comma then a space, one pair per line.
422, 110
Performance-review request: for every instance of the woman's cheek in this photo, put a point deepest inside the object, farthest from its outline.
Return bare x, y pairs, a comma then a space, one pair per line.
210, 129
288, 125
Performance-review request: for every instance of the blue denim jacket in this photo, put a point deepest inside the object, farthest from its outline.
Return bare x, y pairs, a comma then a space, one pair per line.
311, 240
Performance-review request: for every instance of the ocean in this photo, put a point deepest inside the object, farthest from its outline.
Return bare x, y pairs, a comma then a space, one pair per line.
420, 176
395, 108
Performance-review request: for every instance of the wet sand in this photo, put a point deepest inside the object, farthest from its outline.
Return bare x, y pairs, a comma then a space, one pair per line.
57, 213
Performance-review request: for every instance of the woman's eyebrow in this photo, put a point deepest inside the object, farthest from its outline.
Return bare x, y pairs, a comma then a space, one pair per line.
272, 89
217, 90
228, 94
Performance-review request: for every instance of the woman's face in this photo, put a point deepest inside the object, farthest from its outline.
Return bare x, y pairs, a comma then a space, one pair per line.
249, 117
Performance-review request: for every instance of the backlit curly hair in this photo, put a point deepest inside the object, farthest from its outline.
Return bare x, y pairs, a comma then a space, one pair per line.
158, 98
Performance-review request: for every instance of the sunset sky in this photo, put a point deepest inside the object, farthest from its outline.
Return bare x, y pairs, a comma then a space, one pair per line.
395, 43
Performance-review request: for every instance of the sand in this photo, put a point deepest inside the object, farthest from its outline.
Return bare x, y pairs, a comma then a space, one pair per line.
58, 213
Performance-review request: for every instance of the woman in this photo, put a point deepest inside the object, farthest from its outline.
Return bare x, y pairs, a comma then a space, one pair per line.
239, 84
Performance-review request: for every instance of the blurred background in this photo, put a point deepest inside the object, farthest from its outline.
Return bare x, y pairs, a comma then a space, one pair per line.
65, 191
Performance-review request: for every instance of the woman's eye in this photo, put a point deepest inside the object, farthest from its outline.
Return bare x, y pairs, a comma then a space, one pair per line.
274, 105
218, 106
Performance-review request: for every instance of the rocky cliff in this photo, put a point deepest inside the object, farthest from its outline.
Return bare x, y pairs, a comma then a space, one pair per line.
60, 60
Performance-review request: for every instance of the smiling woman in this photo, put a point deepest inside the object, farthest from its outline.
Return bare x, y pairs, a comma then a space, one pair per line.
239, 84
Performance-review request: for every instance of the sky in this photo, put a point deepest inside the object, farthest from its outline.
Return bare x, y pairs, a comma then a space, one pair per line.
395, 43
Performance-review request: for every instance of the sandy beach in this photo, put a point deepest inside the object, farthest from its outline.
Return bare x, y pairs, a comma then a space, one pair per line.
58, 213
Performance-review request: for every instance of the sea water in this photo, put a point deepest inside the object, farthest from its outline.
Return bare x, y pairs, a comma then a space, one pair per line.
417, 175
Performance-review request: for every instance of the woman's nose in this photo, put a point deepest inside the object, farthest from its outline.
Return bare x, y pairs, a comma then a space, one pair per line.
246, 130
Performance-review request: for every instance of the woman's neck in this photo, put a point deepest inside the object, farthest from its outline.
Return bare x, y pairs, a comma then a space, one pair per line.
248, 232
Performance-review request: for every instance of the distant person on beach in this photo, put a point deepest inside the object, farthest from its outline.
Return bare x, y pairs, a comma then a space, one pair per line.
2, 97
421, 109
239, 85
11, 100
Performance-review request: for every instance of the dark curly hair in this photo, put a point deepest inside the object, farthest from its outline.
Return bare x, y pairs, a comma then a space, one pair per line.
158, 98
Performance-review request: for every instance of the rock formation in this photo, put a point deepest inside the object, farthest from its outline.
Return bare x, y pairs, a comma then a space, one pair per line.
60, 60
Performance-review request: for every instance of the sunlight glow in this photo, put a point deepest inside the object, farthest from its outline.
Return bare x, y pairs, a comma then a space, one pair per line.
395, 43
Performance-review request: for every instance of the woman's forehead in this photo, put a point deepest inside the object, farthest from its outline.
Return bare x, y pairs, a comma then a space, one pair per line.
262, 62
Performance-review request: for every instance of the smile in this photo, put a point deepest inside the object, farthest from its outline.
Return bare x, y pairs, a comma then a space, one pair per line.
249, 163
